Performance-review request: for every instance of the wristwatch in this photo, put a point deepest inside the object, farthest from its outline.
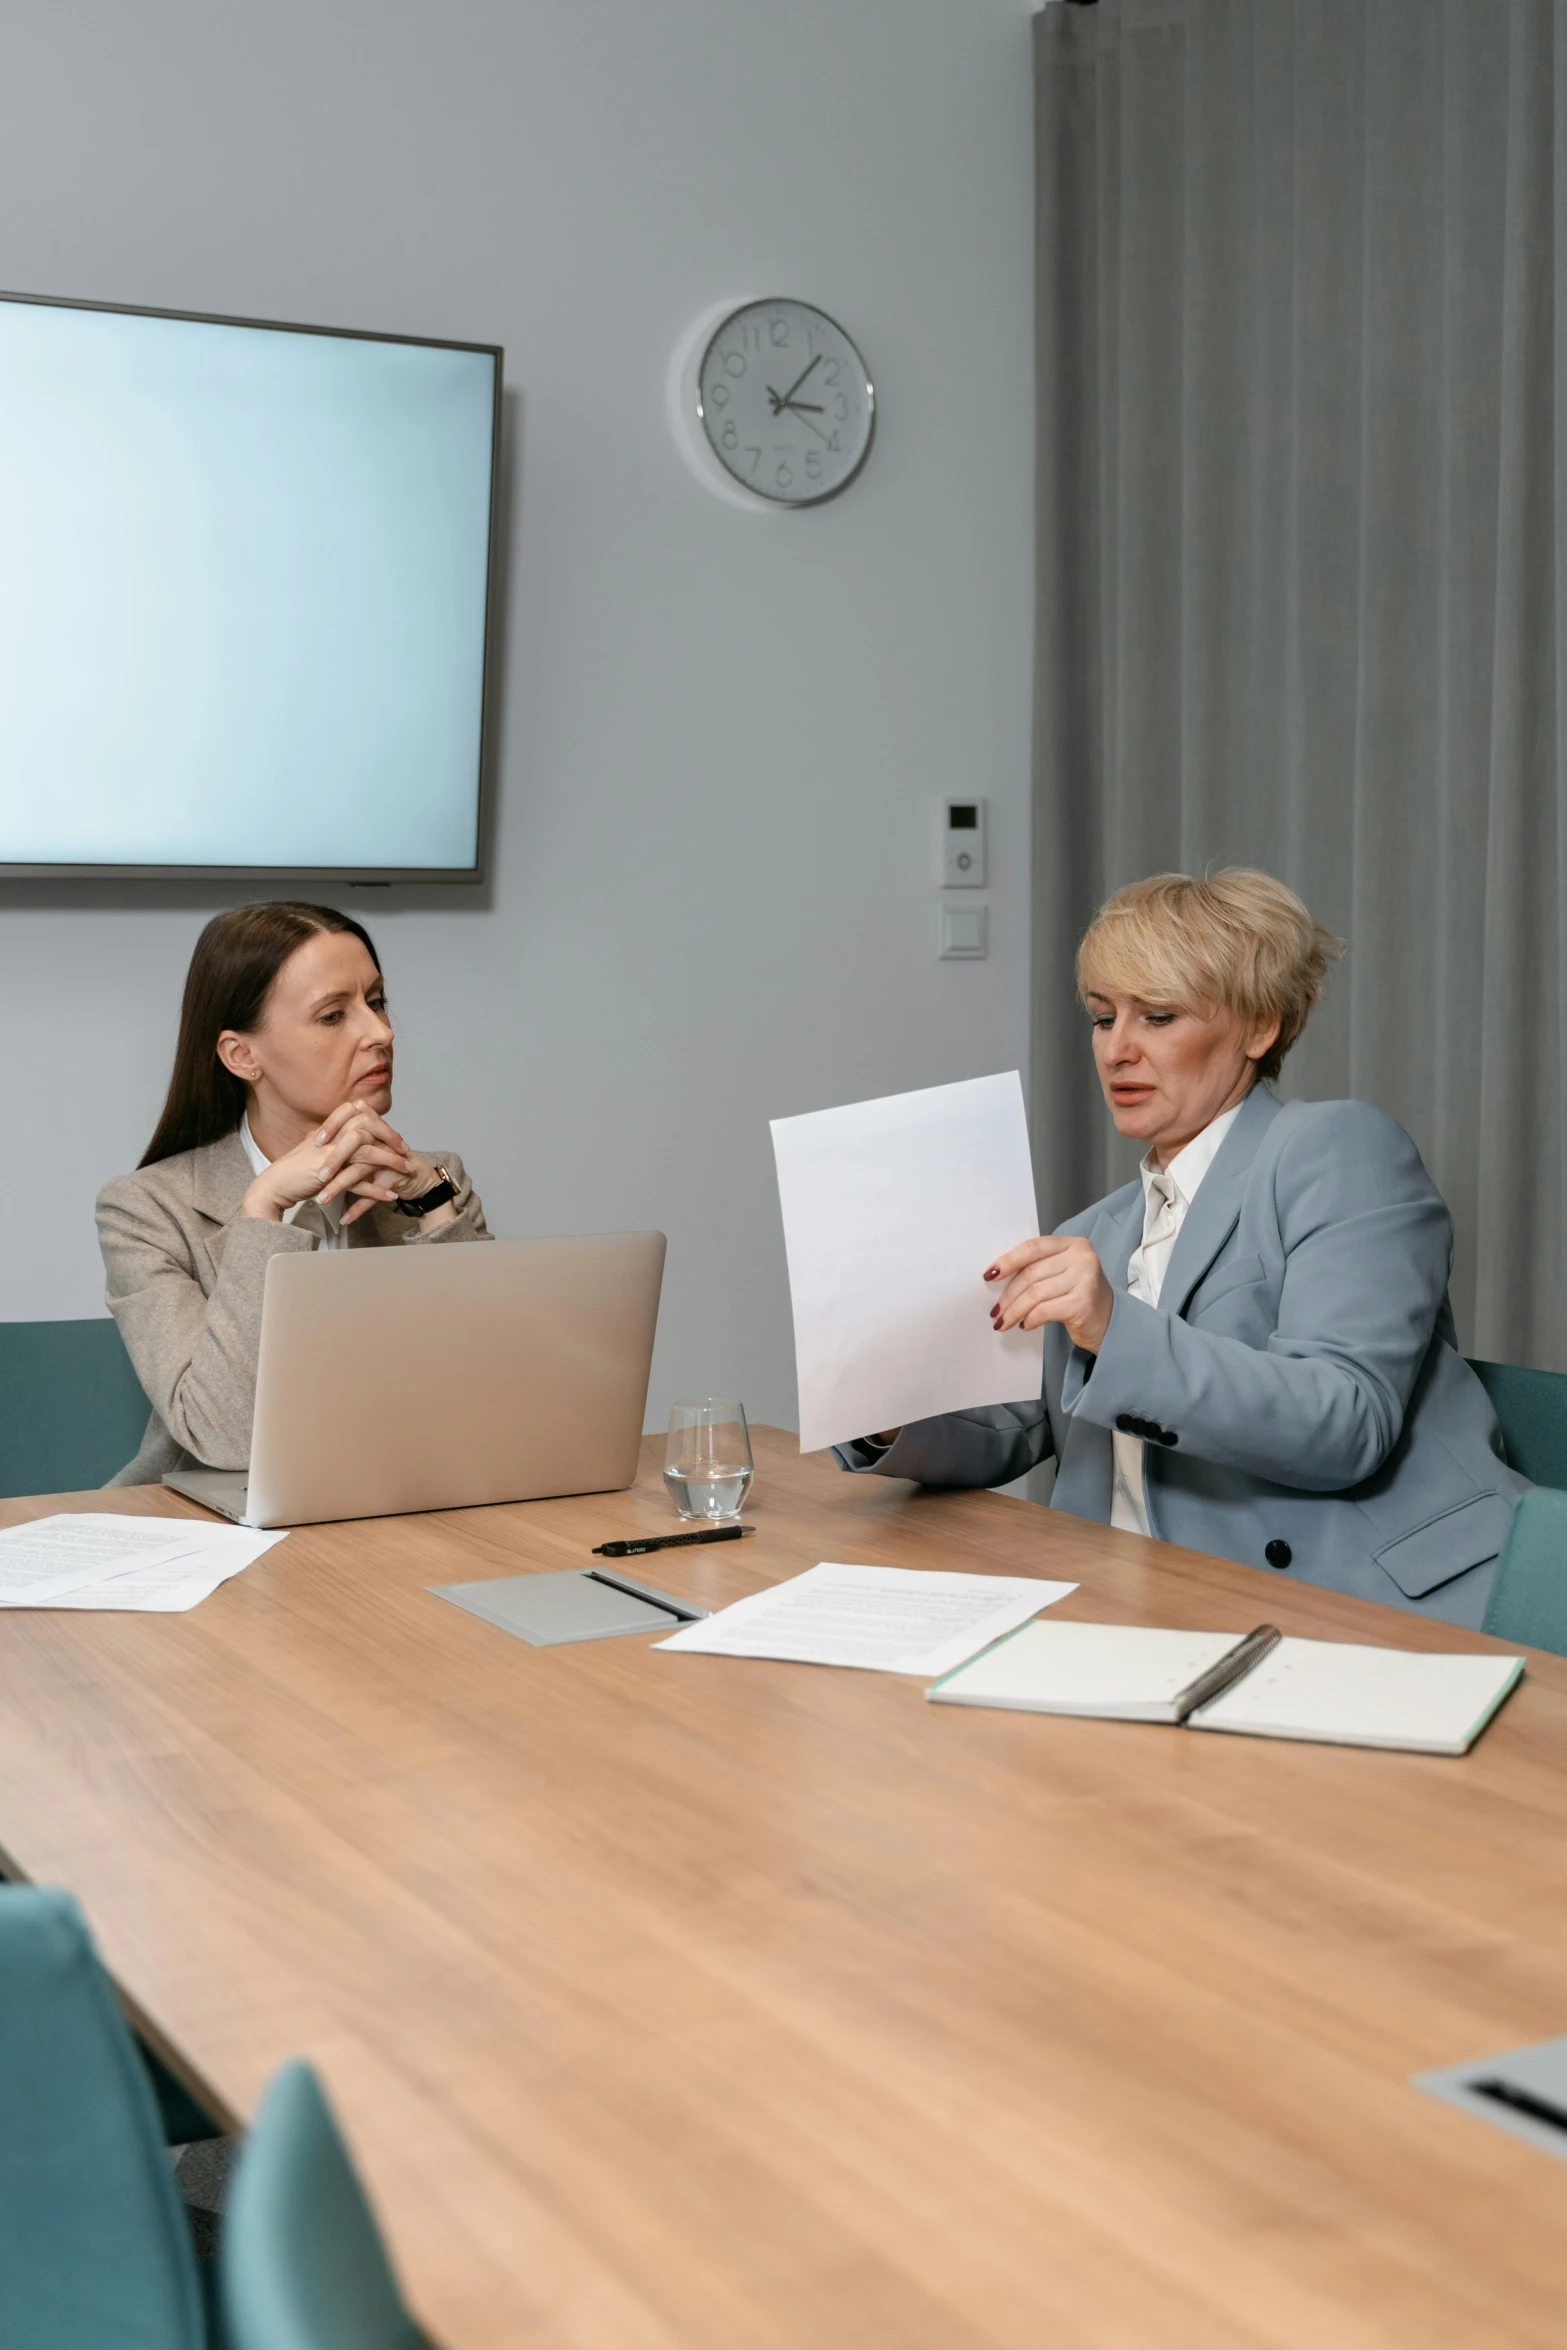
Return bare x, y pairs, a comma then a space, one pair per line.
436, 1197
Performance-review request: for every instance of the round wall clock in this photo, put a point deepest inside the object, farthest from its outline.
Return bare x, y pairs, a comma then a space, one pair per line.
784, 402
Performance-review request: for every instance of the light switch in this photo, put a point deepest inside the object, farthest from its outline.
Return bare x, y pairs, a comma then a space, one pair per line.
963, 933
963, 845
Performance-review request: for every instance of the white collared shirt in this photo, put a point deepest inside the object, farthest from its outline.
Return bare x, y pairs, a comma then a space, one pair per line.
1167, 1196
332, 1209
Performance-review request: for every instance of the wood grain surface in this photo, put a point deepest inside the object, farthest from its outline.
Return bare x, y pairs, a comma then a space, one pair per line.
680, 2003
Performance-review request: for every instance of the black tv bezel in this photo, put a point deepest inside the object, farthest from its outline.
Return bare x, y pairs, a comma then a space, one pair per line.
376, 874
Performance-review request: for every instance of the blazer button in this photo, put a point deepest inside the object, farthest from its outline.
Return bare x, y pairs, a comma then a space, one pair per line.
1168, 1436
1278, 1554
1126, 1424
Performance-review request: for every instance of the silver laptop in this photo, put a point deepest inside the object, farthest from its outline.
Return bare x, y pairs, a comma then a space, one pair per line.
396, 1379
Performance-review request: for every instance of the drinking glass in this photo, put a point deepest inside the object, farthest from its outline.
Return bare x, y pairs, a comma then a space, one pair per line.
707, 1461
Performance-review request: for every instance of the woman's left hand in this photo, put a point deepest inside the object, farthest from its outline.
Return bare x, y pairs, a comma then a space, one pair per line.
1054, 1280
368, 1127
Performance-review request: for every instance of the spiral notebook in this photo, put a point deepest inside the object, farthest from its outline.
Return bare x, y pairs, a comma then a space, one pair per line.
1261, 1686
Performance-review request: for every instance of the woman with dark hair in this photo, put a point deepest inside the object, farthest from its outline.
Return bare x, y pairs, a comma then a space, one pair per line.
274, 1139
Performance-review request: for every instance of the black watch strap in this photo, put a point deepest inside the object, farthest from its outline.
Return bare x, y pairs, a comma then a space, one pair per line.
436, 1197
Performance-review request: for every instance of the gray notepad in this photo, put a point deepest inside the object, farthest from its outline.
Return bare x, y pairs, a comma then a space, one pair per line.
1523, 2090
549, 1610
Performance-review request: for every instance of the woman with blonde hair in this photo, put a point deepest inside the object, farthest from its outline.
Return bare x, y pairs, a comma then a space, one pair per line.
1249, 1350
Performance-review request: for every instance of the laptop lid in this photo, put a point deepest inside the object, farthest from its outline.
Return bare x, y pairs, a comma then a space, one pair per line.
399, 1379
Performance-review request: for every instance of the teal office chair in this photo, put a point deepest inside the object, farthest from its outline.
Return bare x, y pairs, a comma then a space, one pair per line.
94, 2247
185, 2123
302, 2264
1532, 1409
71, 1408
1528, 1601
72, 1411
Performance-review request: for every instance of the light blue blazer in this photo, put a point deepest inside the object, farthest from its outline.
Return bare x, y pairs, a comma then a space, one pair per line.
1299, 1385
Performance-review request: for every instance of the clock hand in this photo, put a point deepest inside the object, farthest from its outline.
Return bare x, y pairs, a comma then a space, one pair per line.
796, 410
801, 407
799, 379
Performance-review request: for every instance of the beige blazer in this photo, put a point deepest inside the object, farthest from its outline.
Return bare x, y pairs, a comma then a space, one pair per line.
185, 1272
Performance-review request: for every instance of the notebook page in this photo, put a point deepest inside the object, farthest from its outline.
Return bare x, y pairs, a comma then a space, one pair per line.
1365, 1696
1086, 1669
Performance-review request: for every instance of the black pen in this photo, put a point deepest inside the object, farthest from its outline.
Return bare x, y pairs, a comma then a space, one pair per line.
631, 1550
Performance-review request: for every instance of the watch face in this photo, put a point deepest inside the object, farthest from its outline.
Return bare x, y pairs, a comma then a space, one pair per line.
785, 402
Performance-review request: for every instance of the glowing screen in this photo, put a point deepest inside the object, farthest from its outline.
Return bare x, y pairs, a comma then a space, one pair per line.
243, 581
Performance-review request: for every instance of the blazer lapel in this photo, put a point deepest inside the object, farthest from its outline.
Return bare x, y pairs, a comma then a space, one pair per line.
1115, 1233
220, 1176
1215, 1211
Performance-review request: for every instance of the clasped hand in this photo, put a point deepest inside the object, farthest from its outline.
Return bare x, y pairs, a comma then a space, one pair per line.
354, 1151
1053, 1280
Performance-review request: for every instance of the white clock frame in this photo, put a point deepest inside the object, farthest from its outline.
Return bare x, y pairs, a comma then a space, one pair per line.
682, 392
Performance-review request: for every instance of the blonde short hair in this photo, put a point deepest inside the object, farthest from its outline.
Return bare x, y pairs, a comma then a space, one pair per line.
1238, 941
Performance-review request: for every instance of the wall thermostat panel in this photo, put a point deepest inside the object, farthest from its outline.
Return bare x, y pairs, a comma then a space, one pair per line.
963, 844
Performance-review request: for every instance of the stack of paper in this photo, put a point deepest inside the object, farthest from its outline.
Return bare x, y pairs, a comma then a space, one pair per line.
880, 1619
99, 1559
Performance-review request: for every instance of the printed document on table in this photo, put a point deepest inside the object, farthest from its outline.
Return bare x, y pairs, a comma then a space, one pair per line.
102, 1558
53, 1555
878, 1619
170, 1586
892, 1210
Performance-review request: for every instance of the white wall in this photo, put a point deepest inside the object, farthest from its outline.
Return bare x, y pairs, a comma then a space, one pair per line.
724, 734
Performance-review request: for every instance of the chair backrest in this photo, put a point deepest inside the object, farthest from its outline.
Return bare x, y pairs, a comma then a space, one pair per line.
302, 2261
71, 1408
1528, 1601
1532, 1409
94, 2247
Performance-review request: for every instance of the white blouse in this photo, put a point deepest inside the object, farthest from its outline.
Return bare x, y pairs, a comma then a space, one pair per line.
1167, 1195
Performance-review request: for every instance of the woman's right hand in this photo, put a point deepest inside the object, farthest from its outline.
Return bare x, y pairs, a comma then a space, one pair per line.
361, 1152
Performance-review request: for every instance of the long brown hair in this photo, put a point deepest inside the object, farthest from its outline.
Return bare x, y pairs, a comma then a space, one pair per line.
237, 957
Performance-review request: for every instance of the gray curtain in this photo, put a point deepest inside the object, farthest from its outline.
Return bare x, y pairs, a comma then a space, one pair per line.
1303, 558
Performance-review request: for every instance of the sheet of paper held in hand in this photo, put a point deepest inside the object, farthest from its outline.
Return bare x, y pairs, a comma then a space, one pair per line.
880, 1619
101, 1559
892, 1210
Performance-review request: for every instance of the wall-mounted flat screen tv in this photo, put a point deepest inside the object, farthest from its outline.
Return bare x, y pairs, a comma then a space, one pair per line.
244, 596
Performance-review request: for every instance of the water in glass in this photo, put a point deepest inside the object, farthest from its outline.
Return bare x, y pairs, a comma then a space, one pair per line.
707, 1461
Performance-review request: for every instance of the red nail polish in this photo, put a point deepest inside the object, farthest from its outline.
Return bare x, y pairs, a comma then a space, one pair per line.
991, 1273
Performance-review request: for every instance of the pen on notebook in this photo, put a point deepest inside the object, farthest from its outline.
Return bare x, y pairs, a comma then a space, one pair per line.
628, 1550
1233, 1666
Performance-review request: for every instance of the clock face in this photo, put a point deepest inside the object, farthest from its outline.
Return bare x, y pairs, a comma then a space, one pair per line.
785, 403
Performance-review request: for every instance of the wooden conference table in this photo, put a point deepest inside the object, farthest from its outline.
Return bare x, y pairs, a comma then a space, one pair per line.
675, 2003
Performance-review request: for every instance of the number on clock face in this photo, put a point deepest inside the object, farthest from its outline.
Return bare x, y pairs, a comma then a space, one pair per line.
785, 402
